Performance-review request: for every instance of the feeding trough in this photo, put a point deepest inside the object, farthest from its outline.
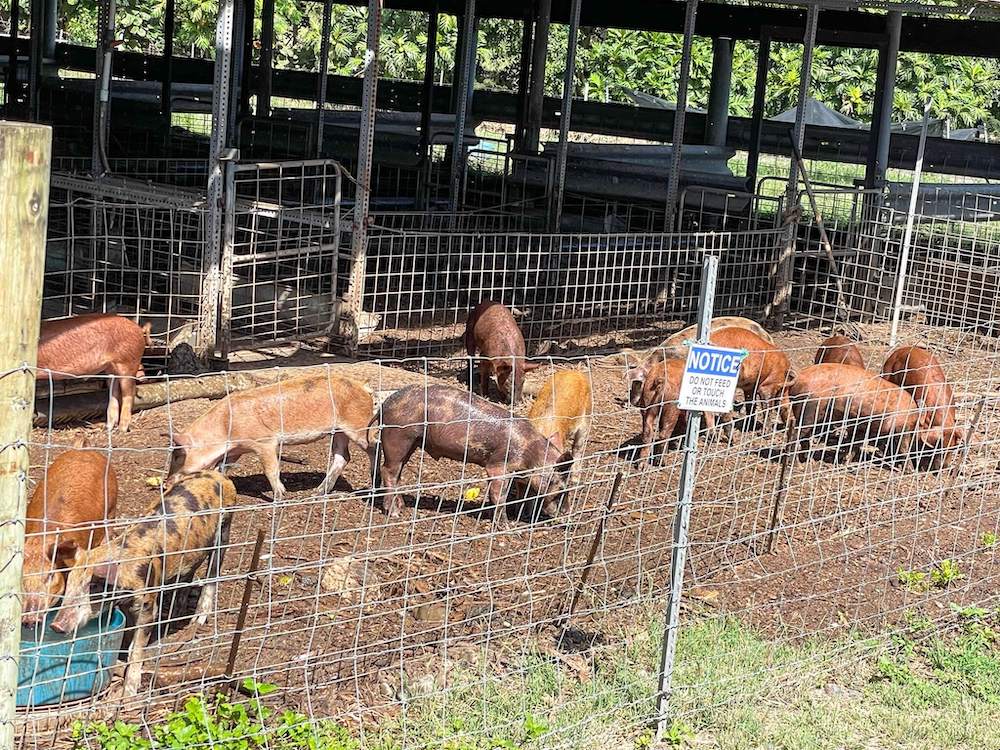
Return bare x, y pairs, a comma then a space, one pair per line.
58, 668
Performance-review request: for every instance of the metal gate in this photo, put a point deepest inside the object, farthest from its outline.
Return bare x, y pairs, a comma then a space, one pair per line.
282, 274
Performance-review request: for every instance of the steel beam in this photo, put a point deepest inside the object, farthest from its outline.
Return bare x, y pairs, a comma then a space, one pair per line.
324, 71
569, 82
266, 58
878, 156
677, 145
169, 22
536, 95
718, 101
465, 85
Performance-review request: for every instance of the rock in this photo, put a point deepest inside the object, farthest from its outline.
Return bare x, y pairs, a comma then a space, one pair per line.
346, 577
430, 612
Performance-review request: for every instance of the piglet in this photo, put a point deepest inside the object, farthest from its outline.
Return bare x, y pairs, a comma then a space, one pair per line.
561, 411
839, 350
263, 420
64, 520
450, 423
830, 396
492, 332
919, 372
188, 525
96, 344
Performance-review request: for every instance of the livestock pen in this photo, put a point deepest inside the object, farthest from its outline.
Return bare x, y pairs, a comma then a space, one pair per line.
367, 628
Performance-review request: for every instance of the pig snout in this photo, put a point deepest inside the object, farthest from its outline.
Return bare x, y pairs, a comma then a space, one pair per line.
635, 378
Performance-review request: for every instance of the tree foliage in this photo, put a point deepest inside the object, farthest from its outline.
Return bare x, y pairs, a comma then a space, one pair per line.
610, 61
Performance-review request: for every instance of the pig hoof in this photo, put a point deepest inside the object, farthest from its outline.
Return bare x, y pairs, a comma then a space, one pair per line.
200, 618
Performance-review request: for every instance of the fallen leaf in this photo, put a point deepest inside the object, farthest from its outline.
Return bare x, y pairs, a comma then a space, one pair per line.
154, 481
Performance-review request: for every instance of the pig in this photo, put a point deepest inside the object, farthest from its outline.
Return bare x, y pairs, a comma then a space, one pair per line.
839, 350
764, 373
827, 396
96, 344
661, 417
492, 332
919, 372
262, 420
185, 527
673, 346
63, 521
561, 411
450, 423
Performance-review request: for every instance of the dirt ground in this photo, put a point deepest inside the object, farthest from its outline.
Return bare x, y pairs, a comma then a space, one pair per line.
346, 601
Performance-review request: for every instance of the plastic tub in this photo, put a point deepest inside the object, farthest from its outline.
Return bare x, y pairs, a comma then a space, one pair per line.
58, 668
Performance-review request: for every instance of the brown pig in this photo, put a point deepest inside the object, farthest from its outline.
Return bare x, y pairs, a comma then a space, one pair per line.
262, 420
764, 373
661, 417
96, 344
919, 372
450, 423
182, 529
63, 520
561, 411
673, 347
839, 350
492, 332
830, 396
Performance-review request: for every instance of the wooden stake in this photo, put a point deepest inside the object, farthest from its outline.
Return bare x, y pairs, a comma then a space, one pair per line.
25, 151
594, 546
778, 513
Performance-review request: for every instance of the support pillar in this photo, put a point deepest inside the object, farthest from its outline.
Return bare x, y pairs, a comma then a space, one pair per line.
524, 78
673, 179
166, 92
324, 71
266, 58
427, 103
102, 84
37, 50
465, 87
718, 101
246, 59
219, 144
757, 119
354, 298
567, 112
785, 265
878, 150
536, 95
51, 28
12, 87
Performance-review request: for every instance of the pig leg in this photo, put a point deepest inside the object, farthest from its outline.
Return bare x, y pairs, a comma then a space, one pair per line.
668, 420
126, 386
496, 490
485, 370
341, 455
392, 469
210, 590
147, 607
649, 415
268, 454
114, 403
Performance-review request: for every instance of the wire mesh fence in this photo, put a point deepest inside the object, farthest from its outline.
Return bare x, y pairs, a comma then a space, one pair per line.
384, 626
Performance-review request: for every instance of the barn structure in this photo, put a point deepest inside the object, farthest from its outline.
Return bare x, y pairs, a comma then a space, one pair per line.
376, 216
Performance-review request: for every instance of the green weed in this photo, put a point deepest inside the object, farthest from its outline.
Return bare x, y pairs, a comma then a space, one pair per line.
945, 572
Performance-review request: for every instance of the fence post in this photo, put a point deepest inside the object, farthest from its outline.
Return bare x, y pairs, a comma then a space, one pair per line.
354, 299
682, 516
25, 151
904, 255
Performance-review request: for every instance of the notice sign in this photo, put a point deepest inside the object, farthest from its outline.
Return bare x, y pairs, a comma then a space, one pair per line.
710, 376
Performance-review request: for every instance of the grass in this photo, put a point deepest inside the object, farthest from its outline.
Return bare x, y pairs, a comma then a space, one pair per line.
929, 685
932, 686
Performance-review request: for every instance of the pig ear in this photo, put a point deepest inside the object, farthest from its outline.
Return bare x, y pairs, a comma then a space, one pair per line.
108, 571
67, 548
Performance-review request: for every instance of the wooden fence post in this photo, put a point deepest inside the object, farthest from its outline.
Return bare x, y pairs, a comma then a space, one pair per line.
25, 151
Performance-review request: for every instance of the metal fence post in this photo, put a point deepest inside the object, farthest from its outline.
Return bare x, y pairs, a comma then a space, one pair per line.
324, 70
680, 110
682, 516
567, 112
904, 255
208, 317
25, 151
467, 78
354, 299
